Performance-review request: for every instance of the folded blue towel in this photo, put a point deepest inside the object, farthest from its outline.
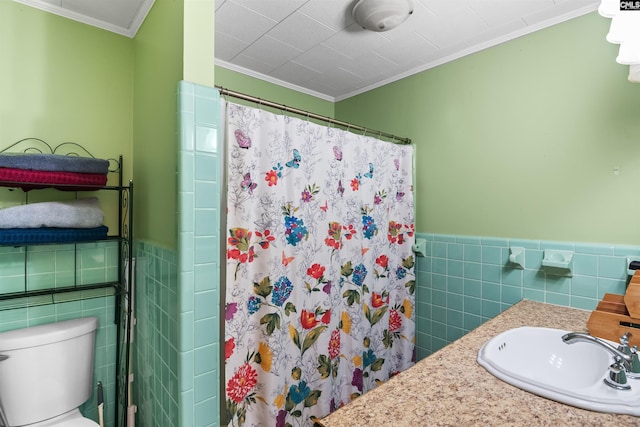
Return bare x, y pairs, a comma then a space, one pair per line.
53, 162
33, 236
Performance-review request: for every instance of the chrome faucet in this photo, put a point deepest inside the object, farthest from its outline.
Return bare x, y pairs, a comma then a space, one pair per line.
623, 357
572, 337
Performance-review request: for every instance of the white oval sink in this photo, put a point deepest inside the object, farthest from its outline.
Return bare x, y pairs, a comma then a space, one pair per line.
538, 361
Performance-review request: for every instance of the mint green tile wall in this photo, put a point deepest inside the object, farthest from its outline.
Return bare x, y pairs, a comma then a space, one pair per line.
198, 247
464, 281
155, 387
46, 266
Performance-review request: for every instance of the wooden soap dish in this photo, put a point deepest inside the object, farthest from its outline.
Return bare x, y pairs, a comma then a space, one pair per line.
616, 315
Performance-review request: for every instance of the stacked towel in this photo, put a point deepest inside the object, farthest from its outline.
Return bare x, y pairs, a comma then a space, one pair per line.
29, 170
80, 213
53, 163
52, 222
38, 236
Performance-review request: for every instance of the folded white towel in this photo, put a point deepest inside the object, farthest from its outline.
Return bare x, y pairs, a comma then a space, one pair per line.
80, 213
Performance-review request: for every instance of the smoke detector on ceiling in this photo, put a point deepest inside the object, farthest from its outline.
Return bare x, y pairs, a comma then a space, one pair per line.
381, 15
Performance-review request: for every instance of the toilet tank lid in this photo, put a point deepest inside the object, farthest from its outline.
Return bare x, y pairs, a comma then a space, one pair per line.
47, 333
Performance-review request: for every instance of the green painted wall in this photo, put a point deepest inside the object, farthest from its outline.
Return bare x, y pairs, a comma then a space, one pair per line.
521, 140
158, 52
198, 62
174, 43
259, 88
64, 81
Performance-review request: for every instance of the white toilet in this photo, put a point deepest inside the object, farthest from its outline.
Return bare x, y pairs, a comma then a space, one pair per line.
46, 373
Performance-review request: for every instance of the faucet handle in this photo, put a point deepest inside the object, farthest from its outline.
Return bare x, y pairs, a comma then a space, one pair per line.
624, 343
624, 338
617, 377
634, 366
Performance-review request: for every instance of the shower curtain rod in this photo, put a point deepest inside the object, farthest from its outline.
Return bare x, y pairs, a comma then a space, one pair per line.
308, 114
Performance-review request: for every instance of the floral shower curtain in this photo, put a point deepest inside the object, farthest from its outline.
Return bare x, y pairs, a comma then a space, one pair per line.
320, 272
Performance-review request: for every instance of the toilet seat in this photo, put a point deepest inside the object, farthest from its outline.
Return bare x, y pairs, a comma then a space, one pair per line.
70, 419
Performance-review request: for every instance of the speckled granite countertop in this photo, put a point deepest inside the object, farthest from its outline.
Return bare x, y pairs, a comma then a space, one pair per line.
449, 388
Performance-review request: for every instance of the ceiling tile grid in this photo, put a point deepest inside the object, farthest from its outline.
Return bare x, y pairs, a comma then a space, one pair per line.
316, 47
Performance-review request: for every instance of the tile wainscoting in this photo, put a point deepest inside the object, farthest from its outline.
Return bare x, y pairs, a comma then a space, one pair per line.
464, 281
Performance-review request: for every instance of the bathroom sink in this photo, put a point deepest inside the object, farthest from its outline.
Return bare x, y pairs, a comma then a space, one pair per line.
538, 361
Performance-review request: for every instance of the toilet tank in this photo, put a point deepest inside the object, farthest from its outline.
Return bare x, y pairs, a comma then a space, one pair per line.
46, 370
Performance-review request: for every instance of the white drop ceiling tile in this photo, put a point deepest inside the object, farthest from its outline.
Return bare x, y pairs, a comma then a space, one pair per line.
294, 73
584, 6
321, 58
226, 47
403, 50
539, 16
406, 69
271, 9
575, 3
219, 3
499, 33
297, 24
451, 50
241, 23
430, 25
271, 51
454, 29
467, 22
339, 80
354, 40
319, 87
445, 7
367, 66
335, 14
345, 77
252, 64
496, 12
401, 32
564, 9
